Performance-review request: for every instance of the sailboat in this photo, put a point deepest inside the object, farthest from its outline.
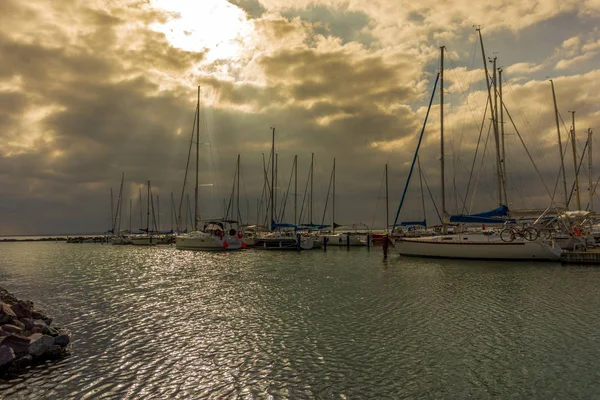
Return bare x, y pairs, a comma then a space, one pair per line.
146, 238
346, 237
214, 234
281, 236
471, 245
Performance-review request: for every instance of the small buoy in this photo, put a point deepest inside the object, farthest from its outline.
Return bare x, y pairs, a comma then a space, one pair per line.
244, 245
225, 244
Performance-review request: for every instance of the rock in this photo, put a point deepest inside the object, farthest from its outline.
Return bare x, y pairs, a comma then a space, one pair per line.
19, 344
11, 328
55, 351
28, 322
18, 323
47, 321
7, 355
63, 339
6, 313
35, 314
23, 308
22, 362
43, 328
6, 297
40, 344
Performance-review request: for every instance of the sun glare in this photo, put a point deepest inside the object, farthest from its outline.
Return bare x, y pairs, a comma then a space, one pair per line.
214, 25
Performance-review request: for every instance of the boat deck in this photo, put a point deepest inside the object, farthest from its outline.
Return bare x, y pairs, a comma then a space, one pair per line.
589, 257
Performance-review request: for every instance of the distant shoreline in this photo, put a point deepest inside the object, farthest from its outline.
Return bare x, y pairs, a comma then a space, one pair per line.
26, 239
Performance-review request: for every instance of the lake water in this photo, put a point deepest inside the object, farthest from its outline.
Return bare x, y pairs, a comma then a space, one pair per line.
162, 323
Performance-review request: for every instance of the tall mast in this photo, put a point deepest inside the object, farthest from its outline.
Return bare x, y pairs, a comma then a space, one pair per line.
112, 212
590, 177
275, 184
197, 164
387, 206
575, 160
296, 190
442, 166
141, 210
148, 208
312, 161
333, 202
272, 178
489, 90
503, 157
238, 216
560, 148
497, 135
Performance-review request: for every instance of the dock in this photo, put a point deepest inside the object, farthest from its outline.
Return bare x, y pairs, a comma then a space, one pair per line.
589, 257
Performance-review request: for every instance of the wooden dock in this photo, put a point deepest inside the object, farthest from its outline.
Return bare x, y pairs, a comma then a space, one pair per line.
589, 257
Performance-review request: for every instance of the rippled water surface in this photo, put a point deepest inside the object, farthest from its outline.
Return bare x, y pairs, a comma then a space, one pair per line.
161, 323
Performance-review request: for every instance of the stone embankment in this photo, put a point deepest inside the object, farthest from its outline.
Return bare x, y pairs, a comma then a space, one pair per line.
27, 335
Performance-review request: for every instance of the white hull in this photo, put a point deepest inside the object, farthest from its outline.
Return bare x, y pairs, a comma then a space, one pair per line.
476, 246
208, 241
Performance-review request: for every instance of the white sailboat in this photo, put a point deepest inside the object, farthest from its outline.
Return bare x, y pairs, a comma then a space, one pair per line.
213, 236
473, 245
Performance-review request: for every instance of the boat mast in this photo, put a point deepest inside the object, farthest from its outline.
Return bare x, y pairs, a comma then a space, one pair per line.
272, 178
312, 163
148, 208
493, 112
591, 194
575, 160
503, 157
387, 204
275, 184
333, 201
238, 216
560, 147
442, 166
197, 163
141, 210
296, 190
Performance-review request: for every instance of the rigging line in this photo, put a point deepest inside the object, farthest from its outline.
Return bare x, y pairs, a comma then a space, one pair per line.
528, 153
431, 197
286, 194
327, 198
578, 169
301, 216
487, 103
230, 204
416, 152
187, 166
421, 187
485, 146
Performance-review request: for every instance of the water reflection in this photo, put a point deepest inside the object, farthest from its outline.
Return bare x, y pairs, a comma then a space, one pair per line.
161, 323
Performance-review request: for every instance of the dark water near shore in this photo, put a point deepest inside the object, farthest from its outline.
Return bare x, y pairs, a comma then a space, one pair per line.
162, 323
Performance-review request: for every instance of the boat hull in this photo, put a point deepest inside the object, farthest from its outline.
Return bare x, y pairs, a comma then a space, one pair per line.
460, 248
208, 242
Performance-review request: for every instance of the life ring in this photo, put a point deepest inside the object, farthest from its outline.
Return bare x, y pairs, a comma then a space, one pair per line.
576, 231
240, 235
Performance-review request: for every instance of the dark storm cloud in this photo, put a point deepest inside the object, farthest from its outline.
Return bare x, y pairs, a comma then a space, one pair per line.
339, 22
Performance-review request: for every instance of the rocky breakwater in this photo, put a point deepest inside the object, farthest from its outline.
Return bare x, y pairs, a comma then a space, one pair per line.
27, 335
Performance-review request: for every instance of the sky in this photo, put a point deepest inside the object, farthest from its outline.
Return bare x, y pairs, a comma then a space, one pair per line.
91, 90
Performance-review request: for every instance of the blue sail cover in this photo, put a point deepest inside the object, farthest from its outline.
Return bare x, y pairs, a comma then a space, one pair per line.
411, 223
487, 217
275, 225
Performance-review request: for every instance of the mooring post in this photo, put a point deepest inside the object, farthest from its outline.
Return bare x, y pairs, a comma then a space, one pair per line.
385, 246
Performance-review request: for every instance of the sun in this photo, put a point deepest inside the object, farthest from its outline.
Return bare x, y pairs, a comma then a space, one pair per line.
213, 25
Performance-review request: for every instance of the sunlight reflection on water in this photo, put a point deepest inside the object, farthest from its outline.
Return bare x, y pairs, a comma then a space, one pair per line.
161, 323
